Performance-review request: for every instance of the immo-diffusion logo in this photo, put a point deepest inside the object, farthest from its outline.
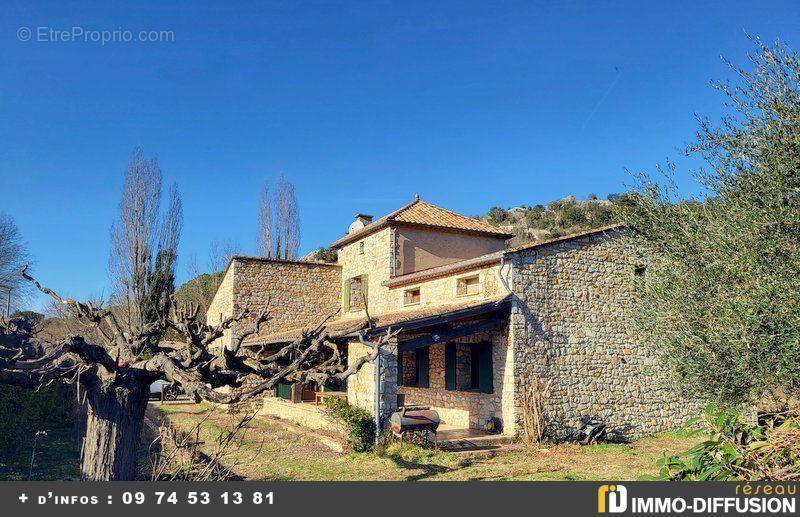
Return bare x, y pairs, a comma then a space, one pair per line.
612, 499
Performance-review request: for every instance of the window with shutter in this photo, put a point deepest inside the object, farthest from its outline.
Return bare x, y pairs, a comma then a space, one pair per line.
283, 390
485, 368
356, 293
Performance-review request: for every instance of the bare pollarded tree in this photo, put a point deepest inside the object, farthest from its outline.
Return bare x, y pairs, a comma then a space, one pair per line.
115, 372
278, 221
13, 254
144, 243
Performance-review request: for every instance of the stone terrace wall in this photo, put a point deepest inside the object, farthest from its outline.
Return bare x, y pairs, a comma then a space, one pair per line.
295, 293
571, 324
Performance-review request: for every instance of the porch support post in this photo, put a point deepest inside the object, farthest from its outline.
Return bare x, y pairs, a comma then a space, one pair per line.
378, 396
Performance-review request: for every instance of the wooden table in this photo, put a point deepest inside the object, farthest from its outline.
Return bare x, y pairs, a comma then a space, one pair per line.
320, 396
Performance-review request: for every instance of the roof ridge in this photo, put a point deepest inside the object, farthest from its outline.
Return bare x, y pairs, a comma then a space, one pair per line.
392, 215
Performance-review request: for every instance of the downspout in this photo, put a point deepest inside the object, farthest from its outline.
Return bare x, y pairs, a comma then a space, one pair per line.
378, 396
500, 276
377, 384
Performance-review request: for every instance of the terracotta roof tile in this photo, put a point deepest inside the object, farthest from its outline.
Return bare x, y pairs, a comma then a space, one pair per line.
395, 318
421, 213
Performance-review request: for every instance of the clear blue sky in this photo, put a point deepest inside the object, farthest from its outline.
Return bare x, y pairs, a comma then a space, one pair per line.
360, 104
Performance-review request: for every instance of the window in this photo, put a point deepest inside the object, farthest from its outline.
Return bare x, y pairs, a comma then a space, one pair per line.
413, 367
411, 296
361, 248
468, 367
355, 293
467, 285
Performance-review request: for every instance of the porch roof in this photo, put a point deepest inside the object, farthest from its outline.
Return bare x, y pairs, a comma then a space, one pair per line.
408, 320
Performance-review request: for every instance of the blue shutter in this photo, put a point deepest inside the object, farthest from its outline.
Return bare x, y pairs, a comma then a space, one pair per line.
423, 367
450, 366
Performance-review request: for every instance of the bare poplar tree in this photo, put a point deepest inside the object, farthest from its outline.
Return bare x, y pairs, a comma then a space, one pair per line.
265, 223
13, 254
279, 221
287, 220
220, 253
144, 244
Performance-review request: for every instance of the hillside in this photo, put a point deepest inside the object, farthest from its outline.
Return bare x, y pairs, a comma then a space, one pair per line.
557, 218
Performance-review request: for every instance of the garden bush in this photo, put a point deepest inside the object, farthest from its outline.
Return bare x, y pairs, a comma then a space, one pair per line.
359, 425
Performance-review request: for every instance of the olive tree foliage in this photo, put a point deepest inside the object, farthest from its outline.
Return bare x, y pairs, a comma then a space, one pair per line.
721, 295
278, 221
144, 243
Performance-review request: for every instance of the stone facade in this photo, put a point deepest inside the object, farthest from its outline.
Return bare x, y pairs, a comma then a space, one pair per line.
443, 290
361, 386
570, 323
373, 261
296, 293
221, 307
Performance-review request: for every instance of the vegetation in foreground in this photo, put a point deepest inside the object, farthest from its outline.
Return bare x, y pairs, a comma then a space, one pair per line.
721, 290
739, 450
270, 451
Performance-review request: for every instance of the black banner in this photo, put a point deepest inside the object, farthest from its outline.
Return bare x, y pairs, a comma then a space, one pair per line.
381, 499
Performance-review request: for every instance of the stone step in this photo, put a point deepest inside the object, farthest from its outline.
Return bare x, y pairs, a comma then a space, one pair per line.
472, 443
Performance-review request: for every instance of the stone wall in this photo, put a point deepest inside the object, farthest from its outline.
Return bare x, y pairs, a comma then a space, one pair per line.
374, 262
296, 293
571, 324
308, 415
221, 307
361, 386
442, 290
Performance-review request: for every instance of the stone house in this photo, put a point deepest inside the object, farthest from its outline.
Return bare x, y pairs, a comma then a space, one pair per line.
479, 323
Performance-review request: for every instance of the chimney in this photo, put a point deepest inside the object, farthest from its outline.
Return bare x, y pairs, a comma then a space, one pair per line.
364, 218
361, 221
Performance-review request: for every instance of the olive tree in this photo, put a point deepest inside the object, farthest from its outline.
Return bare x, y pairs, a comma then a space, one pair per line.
721, 295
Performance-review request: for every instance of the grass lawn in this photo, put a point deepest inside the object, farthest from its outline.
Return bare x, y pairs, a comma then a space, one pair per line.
57, 456
268, 451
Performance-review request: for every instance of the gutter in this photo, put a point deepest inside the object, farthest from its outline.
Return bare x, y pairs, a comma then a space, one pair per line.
462, 265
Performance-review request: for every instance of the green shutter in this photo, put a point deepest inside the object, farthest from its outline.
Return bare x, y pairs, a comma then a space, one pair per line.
400, 368
450, 366
485, 369
346, 300
283, 390
423, 367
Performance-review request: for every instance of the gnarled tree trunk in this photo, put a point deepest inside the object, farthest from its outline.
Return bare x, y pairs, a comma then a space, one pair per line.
113, 430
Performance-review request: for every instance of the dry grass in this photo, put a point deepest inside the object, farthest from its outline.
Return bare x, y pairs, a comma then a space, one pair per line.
291, 456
